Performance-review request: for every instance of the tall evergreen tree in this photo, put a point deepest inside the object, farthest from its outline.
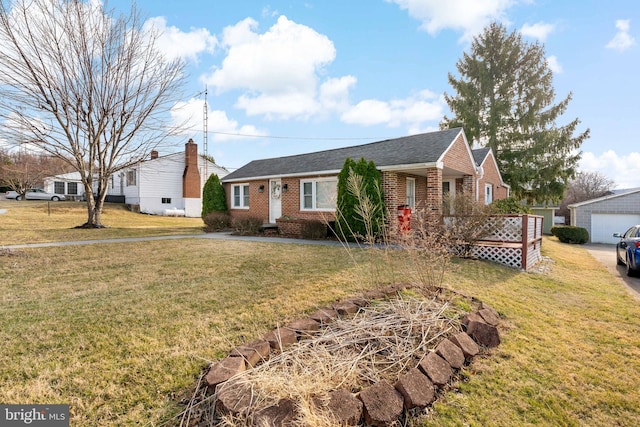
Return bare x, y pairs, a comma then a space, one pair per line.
505, 100
214, 198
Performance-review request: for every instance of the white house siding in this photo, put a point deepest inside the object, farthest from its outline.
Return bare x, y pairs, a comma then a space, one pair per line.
160, 179
606, 215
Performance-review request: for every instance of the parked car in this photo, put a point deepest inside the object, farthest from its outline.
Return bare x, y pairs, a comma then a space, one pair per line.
628, 250
35, 194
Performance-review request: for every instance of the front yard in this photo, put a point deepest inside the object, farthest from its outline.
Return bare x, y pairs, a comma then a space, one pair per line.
120, 332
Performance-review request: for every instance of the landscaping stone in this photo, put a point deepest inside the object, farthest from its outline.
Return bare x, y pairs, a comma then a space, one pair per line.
344, 407
436, 368
485, 306
451, 353
281, 414
383, 404
221, 371
374, 295
253, 352
345, 308
324, 315
359, 301
483, 333
304, 327
234, 399
416, 388
489, 316
280, 338
471, 316
468, 346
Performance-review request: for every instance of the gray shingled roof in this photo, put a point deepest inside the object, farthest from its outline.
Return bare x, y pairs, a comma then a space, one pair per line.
479, 154
408, 150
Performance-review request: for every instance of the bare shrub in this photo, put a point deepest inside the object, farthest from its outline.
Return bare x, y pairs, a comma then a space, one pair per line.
313, 230
217, 221
246, 226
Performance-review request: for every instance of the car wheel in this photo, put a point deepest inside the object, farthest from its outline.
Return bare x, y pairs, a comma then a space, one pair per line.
55, 199
630, 271
18, 197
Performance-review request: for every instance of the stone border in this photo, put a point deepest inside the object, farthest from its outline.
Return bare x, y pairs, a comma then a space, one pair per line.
380, 404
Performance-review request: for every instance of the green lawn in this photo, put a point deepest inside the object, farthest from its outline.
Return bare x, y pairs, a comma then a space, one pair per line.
120, 331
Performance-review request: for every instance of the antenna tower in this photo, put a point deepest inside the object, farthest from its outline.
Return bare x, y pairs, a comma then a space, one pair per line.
205, 133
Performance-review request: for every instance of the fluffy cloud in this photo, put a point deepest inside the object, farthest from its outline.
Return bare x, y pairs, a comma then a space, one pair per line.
622, 40
554, 65
278, 71
412, 111
623, 170
538, 30
468, 16
175, 43
221, 127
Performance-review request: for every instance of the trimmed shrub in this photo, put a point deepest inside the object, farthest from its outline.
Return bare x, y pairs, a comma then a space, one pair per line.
217, 221
509, 206
246, 225
570, 234
214, 198
314, 230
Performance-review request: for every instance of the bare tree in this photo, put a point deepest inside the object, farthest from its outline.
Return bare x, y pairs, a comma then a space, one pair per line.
86, 85
21, 170
584, 186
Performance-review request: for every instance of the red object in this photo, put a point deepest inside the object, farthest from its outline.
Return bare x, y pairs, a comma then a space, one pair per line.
404, 218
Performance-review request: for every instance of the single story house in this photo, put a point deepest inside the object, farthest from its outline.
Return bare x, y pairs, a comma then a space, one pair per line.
416, 170
162, 185
606, 215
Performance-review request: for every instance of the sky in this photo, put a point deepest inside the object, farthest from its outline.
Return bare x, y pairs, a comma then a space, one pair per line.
285, 77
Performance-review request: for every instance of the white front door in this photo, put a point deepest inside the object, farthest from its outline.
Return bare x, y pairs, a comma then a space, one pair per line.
275, 203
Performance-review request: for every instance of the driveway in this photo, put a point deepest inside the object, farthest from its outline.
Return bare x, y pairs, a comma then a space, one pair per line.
606, 255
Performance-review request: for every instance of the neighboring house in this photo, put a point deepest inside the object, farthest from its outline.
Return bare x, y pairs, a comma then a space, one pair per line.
416, 171
67, 184
548, 213
603, 216
162, 185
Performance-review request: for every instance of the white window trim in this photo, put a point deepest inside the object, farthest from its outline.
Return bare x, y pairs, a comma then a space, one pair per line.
412, 202
313, 194
490, 188
242, 196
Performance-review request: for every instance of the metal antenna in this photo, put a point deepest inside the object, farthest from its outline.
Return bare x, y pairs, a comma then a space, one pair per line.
205, 133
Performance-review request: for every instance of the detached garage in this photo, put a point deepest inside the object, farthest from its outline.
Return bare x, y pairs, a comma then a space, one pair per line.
607, 215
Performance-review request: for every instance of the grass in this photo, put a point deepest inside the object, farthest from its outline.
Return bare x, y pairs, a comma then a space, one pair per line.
40, 221
120, 331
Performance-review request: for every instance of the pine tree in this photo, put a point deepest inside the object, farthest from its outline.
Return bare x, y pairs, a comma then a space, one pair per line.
214, 198
505, 100
360, 204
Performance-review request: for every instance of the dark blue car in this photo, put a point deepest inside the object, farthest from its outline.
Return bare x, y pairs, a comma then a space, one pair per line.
628, 250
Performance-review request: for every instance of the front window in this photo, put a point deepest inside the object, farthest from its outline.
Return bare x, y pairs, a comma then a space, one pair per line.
411, 192
58, 187
131, 177
72, 188
241, 196
319, 194
488, 194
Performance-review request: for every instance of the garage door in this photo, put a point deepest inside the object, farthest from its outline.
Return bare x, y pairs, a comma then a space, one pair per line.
604, 225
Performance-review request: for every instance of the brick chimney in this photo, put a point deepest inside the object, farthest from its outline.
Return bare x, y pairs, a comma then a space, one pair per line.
191, 175
154, 154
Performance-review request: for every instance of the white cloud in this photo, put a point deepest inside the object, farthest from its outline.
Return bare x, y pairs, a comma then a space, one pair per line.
221, 127
468, 16
176, 43
623, 170
539, 30
334, 93
413, 111
278, 71
622, 40
554, 65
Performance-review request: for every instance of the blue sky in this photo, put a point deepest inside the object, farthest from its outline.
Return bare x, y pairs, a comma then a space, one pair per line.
319, 74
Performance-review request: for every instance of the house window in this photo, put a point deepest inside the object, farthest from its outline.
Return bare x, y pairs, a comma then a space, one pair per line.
411, 192
58, 187
488, 194
166, 200
131, 177
319, 194
72, 188
241, 196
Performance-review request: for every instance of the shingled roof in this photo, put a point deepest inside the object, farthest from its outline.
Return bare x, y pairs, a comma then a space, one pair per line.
409, 150
479, 154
